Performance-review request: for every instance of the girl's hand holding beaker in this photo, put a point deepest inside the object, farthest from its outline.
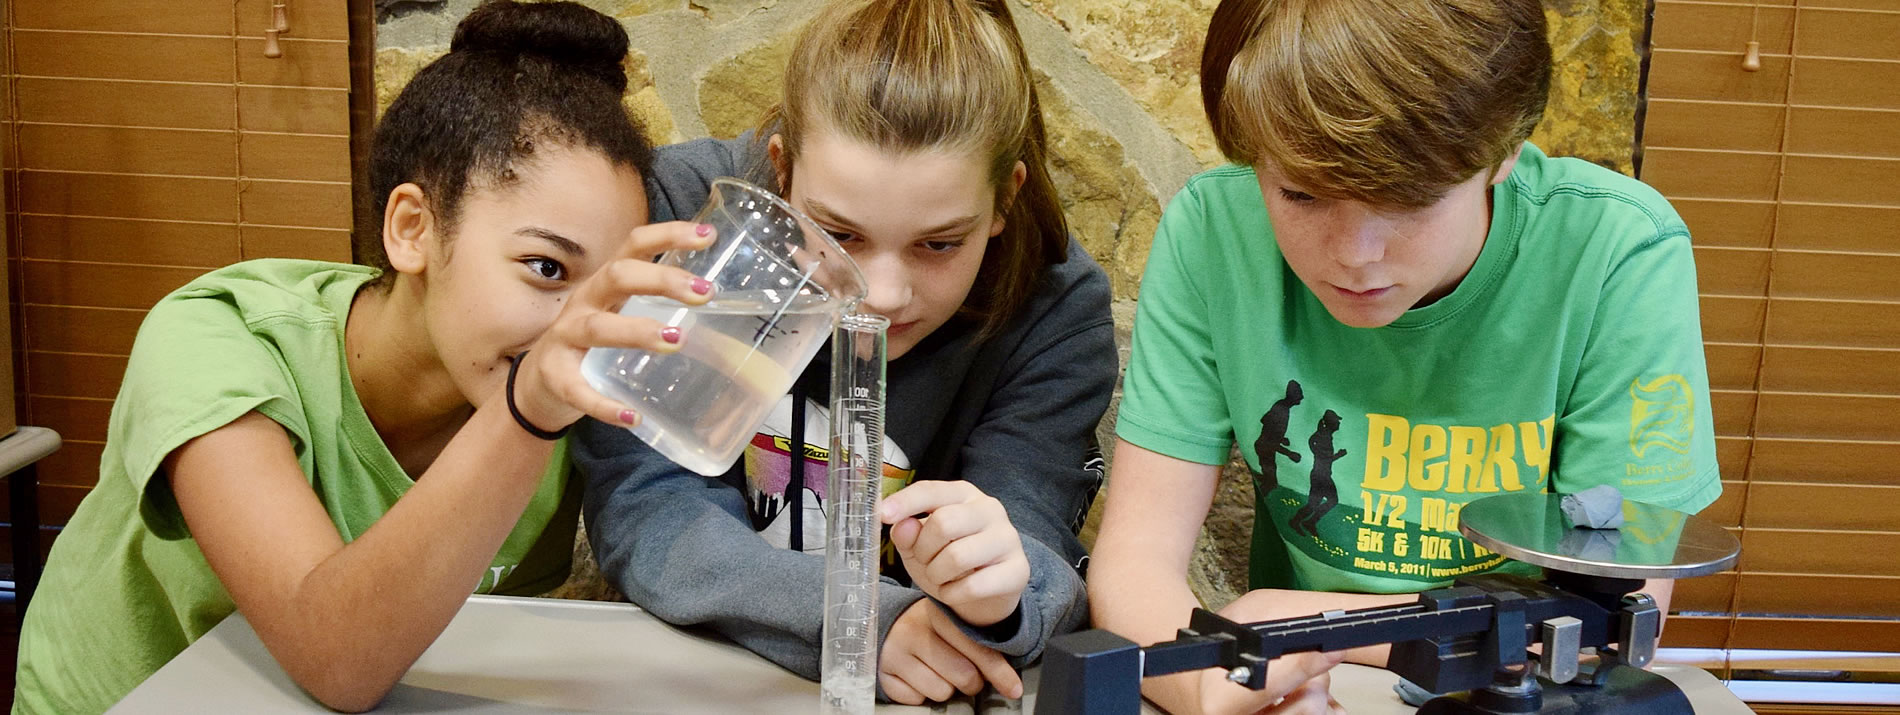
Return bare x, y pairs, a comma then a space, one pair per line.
550, 392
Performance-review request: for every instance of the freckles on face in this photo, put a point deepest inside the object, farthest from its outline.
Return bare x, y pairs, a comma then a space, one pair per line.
1369, 264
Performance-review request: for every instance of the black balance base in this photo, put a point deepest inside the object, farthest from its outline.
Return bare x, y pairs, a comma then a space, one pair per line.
1625, 691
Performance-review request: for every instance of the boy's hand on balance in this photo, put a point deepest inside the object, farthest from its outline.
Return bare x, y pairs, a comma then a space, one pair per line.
958, 545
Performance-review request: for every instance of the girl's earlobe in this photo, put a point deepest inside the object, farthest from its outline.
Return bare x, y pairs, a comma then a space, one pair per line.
408, 228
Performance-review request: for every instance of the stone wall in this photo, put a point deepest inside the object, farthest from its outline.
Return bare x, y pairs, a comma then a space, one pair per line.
1120, 86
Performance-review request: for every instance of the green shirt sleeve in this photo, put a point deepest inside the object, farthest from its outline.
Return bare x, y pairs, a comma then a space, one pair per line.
1638, 414
195, 367
1172, 402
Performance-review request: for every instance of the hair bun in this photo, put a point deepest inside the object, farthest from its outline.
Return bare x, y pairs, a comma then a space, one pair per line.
564, 33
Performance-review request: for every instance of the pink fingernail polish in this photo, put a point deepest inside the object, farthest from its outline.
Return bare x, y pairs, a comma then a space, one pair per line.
671, 335
704, 230
702, 286
628, 417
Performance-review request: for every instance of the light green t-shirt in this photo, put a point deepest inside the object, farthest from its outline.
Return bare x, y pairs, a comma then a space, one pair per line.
1570, 356
126, 587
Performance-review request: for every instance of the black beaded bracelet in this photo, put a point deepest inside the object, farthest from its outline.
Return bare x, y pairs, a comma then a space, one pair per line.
549, 435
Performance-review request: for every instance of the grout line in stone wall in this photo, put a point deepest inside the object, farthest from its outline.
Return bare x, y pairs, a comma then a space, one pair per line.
1160, 157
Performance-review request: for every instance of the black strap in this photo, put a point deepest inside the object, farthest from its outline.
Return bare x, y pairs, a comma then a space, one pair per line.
795, 485
549, 435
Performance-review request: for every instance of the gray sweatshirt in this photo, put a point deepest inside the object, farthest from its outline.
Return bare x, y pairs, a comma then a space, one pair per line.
1014, 415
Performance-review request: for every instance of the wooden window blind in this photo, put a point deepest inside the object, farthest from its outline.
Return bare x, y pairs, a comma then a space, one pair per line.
1789, 178
147, 142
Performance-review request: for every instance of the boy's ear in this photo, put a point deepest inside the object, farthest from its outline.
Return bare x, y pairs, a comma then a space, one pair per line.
408, 228
1503, 170
781, 165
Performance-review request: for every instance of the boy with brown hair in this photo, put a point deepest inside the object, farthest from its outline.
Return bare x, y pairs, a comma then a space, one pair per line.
1420, 306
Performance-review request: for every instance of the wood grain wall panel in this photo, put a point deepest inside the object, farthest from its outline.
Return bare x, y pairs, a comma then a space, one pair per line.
1679, 74
1844, 83
115, 56
74, 418
1818, 461
102, 285
124, 196
1683, 124
127, 150
1729, 224
146, 16
1860, 132
1834, 323
106, 240
307, 243
304, 157
1838, 228
1837, 370
1731, 271
60, 328
132, 104
1835, 507
294, 110
1711, 174
74, 374
1795, 551
295, 203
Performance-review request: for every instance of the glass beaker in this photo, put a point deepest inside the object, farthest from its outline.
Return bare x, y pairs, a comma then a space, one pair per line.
780, 283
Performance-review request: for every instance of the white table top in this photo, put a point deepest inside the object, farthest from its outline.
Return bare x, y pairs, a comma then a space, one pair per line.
528, 655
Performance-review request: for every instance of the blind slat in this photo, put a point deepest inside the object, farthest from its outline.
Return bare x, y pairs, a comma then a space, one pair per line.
74, 418
74, 375
126, 196
81, 330
71, 101
114, 56
1845, 83
126, 16
1826, 462
1836, 507
1794, 551
126, 150
104, 240
1838, 596
308, 243
101, 285
1793, 369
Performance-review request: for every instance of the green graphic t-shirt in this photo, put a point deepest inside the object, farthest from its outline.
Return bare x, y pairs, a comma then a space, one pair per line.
1570, 356
126, 587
